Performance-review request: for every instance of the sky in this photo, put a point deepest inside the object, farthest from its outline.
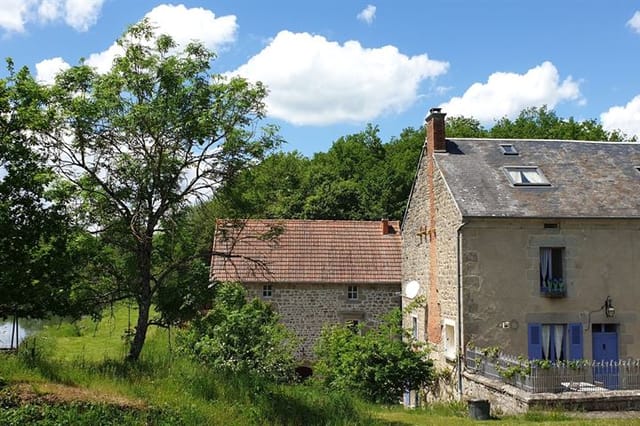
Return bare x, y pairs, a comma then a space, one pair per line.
333, 66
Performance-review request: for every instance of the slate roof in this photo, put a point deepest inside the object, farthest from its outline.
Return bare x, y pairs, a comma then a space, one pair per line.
307, 251
588, 179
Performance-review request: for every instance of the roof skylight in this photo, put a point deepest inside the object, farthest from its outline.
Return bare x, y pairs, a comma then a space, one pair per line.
508, 149
526, 176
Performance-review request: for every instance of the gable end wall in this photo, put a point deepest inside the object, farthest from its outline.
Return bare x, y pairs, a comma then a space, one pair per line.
429, 254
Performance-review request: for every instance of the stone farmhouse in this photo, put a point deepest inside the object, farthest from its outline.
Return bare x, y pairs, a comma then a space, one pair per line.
314, 272
531, 246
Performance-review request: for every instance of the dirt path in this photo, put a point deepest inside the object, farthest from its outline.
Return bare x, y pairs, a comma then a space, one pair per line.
50, 393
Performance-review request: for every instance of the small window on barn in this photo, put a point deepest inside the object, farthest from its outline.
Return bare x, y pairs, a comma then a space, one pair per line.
637, 169
508, 149
352, 292
526, 176
267, 290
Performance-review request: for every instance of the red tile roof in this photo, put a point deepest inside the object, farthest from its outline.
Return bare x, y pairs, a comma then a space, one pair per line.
306, 251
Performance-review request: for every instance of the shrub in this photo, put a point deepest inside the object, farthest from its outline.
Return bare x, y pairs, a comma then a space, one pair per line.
377, 364
240, 336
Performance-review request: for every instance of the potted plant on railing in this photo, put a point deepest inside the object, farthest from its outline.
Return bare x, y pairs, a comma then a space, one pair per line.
554, 287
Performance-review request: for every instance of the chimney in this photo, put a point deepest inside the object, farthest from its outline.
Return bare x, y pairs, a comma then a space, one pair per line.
435, 131
384, 226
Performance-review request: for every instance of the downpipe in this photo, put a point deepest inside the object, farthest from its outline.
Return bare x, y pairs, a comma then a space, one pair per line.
459, 300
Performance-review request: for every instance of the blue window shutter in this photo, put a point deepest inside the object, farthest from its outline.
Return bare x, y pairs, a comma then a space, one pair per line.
534, 341
575, 341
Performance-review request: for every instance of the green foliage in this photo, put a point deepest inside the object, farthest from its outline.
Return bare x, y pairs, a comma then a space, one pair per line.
534, 123
173, 389
36, 267
359, 178
240, 336
492, 352
464, 127
377, 364
275, 188
544, 364
514, 370
83, 414
139, 144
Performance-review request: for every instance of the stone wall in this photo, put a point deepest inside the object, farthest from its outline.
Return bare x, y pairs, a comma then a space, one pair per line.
507, 399
429, 255
447, 224
415, 248
306, 308
501, 279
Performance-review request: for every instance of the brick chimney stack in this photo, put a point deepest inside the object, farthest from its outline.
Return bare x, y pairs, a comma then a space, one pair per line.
384, 226
435, 131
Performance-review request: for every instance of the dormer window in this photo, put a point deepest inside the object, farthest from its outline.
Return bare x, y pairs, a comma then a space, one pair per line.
526, 176
508, 149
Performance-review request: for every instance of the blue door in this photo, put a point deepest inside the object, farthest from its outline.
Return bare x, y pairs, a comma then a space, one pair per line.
605, 352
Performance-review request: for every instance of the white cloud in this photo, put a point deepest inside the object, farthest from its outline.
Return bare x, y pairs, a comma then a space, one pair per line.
102, 61
315, 81
625, 118
79, 14
506, 94
184, 25
47, 70
634, 22
13, 14
367, 14
49, 10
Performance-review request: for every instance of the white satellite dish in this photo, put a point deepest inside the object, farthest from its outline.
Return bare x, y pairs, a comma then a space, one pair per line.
411, 289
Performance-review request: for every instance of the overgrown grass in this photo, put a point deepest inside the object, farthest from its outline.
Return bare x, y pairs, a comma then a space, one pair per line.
83, 414
164, 388
90, 356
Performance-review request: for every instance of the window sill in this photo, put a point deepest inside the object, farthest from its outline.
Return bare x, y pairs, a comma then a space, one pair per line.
553, 294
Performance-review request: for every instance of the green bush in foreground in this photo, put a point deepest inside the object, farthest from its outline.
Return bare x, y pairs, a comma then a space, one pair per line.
377, 364
241, 337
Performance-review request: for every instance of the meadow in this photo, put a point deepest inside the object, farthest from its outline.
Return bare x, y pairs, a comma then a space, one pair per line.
74, 374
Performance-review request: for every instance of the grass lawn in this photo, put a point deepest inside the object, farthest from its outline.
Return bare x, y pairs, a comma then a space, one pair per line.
76, 375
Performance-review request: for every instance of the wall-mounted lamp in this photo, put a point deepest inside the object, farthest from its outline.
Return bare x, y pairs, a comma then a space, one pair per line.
609, 310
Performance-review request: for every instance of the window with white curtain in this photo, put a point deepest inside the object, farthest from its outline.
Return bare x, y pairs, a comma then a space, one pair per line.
552, 270
554, 342
526, 176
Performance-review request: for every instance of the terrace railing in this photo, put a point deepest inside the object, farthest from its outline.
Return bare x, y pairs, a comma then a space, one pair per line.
563, 376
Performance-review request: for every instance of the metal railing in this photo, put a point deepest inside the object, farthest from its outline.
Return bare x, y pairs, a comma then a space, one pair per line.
563, 376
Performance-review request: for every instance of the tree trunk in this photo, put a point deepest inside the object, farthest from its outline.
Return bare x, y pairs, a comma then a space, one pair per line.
143, 298
140, 335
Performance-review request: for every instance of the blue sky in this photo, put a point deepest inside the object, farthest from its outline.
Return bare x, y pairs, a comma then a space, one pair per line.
334, 66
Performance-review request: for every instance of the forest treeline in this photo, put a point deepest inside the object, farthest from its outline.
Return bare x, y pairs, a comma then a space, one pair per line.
363, 178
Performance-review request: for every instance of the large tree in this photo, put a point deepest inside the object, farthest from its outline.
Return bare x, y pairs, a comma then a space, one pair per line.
156, 133
35, 261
